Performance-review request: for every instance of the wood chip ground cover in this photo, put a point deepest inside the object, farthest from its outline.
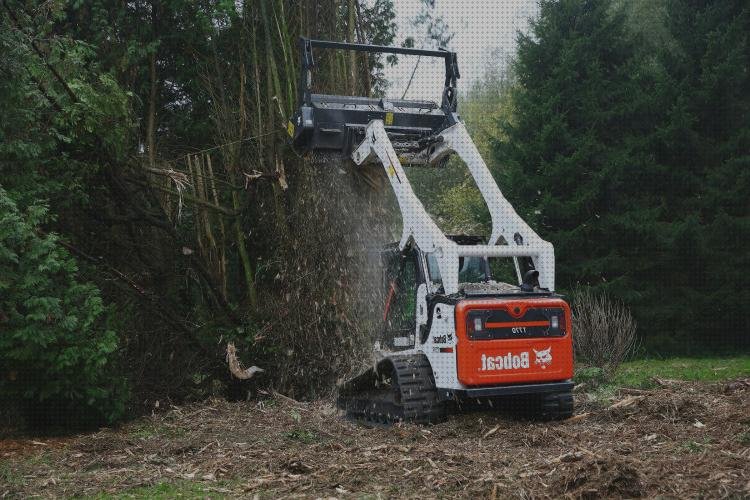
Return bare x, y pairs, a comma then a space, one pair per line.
679, 440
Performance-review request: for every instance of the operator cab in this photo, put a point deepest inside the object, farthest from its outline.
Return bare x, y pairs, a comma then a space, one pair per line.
411, 279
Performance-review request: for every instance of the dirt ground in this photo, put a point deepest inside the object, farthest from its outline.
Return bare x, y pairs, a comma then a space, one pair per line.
678, 440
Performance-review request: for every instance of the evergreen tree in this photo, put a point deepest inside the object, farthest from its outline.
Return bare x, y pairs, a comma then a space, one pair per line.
573, 155
704, 143
617, 159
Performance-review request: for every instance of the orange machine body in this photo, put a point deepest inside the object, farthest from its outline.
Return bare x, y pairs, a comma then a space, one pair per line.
516, 343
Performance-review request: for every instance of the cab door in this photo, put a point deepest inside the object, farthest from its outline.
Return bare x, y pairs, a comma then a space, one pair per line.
402, 278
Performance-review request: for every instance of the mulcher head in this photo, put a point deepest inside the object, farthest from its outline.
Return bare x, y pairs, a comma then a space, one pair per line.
330, 127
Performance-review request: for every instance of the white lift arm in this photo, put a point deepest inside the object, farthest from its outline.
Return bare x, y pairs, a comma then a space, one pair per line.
516, 237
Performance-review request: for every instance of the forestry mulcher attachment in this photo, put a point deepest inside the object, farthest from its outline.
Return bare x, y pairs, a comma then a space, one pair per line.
465, 320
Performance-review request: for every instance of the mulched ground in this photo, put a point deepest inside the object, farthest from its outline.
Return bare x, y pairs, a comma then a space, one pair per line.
679, 440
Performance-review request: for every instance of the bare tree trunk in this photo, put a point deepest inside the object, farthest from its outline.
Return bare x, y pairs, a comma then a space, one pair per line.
256, 74
198, 215
352, 55
273, 89
151, 120
366, 59
222, 251
247, 266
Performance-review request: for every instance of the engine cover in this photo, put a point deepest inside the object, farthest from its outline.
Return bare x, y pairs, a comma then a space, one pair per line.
506, 341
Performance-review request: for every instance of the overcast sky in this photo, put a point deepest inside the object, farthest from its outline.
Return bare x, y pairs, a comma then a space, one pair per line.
484, 35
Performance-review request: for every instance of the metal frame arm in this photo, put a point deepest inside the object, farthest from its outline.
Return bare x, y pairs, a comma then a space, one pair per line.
419, 227
507, 226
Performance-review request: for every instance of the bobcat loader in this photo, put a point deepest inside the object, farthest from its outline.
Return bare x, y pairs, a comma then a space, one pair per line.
465, 320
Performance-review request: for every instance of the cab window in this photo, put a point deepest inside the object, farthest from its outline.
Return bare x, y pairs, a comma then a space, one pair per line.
470, 270
401, 301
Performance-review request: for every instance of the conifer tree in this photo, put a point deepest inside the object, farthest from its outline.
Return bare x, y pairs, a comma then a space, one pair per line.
635, 166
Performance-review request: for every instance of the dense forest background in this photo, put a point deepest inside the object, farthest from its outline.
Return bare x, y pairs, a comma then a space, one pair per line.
151, 211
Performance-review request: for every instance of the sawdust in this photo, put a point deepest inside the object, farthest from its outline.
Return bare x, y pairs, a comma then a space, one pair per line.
681, 440
329, 281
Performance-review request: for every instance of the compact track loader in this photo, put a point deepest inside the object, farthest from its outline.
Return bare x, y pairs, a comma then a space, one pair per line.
465, 321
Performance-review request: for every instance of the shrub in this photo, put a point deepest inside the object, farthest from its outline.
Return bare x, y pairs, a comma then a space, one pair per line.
604, 330
55, 350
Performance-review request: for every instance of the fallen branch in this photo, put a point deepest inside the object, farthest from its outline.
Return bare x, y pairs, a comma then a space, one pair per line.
236, 368
626, 402
255, 175
576, 418
665, 382
17, 25
278, 395
491, 432
634, 392
193, 199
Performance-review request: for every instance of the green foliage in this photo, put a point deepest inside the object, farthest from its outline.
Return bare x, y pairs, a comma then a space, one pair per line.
464, 210
101, 103
435, 30
640, 373
55, 349
63, 117
590, 375
377, 18
450, 194
168, 490
101, 116
693, 446
8, 475
304, 436
636, 167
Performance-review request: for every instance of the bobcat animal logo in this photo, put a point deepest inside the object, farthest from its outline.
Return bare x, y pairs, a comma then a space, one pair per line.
543, 357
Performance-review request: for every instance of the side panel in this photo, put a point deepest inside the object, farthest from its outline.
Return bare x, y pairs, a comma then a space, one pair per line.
512, 360
440, 347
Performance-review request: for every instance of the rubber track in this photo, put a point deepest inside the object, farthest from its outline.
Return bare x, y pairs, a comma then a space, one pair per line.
411, 396
557, 406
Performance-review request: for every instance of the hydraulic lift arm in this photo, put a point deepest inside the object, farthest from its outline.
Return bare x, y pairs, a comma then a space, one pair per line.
419, 226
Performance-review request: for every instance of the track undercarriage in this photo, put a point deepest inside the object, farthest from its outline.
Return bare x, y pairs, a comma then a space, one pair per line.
400, 389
